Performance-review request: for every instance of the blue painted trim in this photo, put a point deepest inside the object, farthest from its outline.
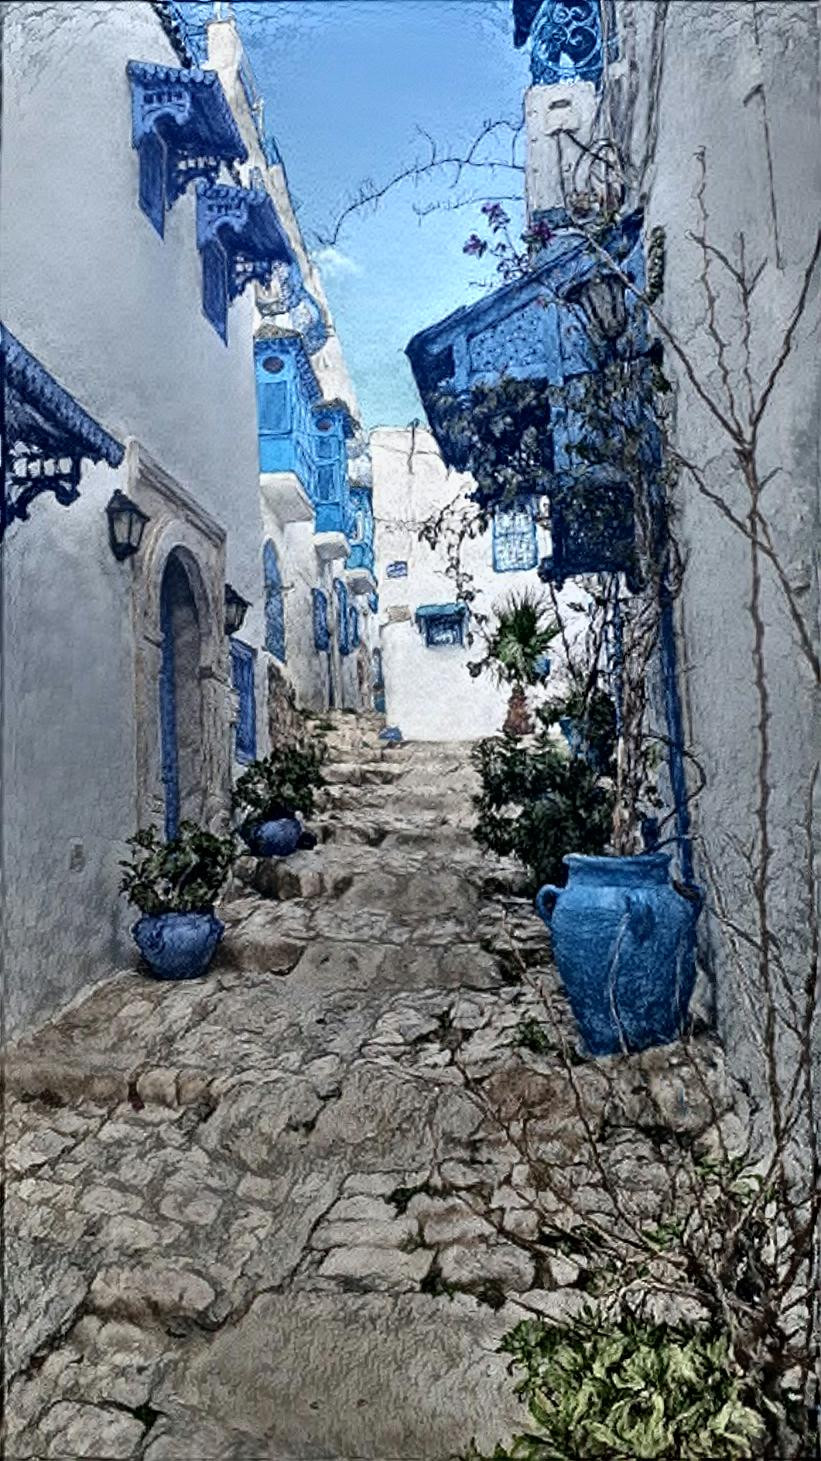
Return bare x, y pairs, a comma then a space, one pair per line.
675, 732
343, 623
168, 719
322, 634
43, 425
273, 341
243, 666
274, 603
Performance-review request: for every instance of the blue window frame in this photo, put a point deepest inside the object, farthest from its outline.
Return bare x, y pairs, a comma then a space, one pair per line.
514, 537
242, 678
274, 604
274, 401
442, 623
215, 287
343, 623
322, 637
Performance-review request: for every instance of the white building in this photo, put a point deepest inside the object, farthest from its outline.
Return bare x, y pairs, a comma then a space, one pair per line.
427, 637
141, 210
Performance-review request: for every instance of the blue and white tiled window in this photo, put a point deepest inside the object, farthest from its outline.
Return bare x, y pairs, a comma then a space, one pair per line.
242, 679
514, 537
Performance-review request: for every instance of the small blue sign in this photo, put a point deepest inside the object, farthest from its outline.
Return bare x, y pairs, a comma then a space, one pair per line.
397, 570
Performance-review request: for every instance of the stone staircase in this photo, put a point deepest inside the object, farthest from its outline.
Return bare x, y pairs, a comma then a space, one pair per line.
276, 1213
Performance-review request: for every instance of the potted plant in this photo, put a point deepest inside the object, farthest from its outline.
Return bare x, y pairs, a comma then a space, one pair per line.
518, 651
272, 792
175, 884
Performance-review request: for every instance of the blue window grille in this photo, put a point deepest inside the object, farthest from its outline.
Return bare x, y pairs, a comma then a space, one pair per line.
274, 604
242, 679
567, 40
397, 570
322, 637
514, 538
215, 287
442, 623
153, 165
343, 623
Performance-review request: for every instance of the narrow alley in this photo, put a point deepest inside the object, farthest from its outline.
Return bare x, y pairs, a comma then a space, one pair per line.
283, 1212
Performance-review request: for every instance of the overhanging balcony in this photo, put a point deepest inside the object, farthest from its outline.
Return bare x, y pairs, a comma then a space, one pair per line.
286, 478
359, 569
330, 537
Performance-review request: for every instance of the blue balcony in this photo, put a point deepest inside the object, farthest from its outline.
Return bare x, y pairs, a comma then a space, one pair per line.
286, 391
536, 329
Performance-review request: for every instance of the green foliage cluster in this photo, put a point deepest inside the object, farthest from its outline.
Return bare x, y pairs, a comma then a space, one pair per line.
629, 1388
591, 719
537, 803
282, 783
184, 875
524, 632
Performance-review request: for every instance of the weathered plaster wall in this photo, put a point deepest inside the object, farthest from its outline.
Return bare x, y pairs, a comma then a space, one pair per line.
737, 85
429, 692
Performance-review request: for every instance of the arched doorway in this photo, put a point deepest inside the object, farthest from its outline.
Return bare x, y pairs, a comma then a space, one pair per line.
180, 698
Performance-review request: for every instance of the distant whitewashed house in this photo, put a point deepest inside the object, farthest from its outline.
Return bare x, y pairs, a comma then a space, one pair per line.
162, 597
428, 636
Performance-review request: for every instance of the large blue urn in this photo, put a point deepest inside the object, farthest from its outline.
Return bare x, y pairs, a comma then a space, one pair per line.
178, 945
624, 943
277, 838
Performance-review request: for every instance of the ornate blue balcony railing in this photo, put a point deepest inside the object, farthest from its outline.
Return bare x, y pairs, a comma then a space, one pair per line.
182, 128
240, 240
46, 435
568, 41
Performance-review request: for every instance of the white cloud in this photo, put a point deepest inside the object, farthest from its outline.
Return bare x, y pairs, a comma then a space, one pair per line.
333, 262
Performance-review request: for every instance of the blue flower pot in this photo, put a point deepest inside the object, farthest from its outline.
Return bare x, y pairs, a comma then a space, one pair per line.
178, 945
278, 838
624, 943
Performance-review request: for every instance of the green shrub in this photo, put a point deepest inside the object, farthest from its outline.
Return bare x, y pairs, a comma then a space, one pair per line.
537, 803
281, 784
629, 1390
184, 875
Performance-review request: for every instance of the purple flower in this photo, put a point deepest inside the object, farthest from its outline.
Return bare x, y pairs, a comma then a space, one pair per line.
495, 215
475, 245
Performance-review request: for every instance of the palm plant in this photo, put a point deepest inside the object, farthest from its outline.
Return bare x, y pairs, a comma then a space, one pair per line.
518, 652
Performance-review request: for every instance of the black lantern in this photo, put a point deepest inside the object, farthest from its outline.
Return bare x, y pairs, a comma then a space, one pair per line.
126, 525
601, 297
236, 607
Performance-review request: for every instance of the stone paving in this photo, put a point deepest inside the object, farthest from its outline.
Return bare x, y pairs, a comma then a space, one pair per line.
287, 1211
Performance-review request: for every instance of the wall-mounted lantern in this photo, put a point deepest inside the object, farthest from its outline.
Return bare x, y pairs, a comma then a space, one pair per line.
236, 607
126, 525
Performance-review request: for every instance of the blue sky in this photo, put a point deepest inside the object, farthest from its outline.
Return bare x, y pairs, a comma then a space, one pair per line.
347, 85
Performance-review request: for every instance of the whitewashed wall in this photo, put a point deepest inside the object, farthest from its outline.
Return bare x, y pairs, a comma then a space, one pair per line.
429, 693
114, 313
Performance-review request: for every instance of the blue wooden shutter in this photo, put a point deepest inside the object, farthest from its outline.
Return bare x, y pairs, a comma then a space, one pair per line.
274, 407
215, 287
242, 679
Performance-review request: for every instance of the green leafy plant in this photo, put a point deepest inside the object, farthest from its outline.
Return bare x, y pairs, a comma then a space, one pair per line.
184, 875
588, 719
281, 784
537, 803
524, 632
629, 1388
532, 1035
